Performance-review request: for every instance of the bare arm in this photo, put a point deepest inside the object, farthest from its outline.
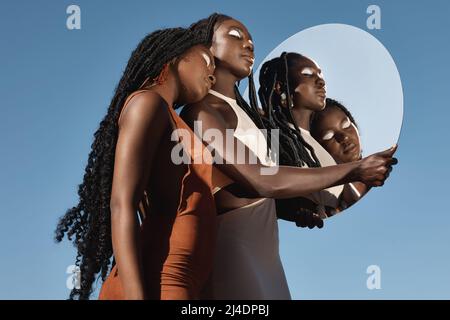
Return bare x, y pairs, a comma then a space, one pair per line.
140, 129
288, 182
350, 194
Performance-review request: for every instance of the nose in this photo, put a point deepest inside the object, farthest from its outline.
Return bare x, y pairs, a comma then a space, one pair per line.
212, 79
249, 45
320, 82
341, 137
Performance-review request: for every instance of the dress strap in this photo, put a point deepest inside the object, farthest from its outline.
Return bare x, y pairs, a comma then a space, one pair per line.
221, 96
127, 100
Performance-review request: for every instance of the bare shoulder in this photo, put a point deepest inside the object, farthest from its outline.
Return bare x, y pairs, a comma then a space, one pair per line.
144, 107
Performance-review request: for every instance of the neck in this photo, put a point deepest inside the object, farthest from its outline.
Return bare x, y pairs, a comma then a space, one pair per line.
168, 90
302, 116
225, 82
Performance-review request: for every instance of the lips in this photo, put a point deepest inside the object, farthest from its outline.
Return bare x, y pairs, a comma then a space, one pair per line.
349, 147
322, 93
248, 58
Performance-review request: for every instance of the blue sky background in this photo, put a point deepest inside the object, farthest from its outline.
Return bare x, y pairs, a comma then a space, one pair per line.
56, 84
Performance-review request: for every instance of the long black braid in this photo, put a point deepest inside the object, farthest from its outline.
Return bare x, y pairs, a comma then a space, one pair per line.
90, 220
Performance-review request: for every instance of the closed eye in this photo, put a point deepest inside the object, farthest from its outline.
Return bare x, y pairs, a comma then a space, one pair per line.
346, 124
235, 33
207, 59
307, 72
328, 136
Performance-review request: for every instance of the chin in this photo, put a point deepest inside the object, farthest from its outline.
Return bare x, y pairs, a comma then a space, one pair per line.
322, 104
243, 72
197, 96
353, 157
318, 107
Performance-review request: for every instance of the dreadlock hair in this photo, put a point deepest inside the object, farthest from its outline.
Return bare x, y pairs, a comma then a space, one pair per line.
90, 220
209, 26
330, 103
293, 148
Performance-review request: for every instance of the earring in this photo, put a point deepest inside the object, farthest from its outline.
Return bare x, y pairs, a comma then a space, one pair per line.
283, 98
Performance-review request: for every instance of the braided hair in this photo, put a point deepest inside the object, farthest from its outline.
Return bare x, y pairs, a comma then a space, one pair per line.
293, 148
88, 224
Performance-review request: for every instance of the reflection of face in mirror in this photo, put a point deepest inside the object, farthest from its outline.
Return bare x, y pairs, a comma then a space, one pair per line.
309, 91
315, 131
293, 87
335, 129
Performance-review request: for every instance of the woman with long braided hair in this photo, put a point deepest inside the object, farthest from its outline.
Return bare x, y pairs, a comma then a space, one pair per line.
247, 262
292, 90
166, 251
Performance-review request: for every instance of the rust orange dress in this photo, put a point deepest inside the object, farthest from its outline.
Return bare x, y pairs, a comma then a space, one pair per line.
177, 251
